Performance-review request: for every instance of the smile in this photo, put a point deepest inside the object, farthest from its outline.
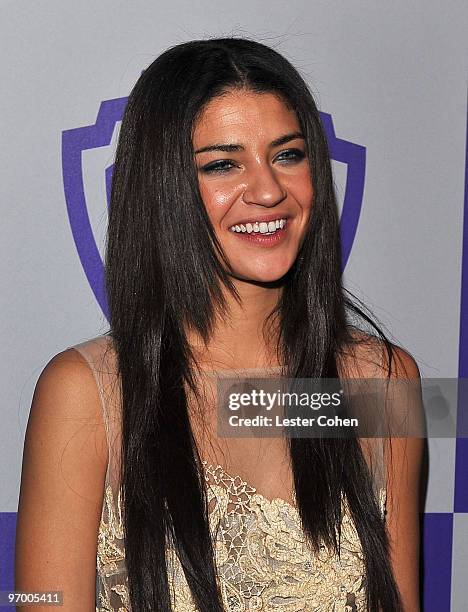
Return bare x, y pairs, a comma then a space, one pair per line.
264, 234
259, 228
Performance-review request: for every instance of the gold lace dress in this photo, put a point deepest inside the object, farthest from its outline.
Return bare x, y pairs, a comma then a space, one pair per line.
262, 560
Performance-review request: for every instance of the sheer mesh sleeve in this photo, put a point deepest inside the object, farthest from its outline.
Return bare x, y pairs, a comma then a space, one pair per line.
111, 575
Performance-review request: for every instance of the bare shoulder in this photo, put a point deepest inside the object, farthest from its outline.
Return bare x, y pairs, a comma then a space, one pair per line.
67, 406
67, 372
62, 482
66, 391
368, 356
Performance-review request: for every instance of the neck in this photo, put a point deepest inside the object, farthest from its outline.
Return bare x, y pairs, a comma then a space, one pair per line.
237, 341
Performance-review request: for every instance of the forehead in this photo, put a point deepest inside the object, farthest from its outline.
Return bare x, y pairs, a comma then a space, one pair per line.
240, 113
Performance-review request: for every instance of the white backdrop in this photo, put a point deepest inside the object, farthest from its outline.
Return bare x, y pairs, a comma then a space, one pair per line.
393, 77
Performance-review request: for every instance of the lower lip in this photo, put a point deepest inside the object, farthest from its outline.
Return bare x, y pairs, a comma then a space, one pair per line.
262, 239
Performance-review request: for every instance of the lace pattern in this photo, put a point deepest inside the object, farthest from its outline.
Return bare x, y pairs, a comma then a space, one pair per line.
262, 560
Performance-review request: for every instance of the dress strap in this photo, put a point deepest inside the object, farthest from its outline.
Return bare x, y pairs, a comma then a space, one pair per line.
100, 356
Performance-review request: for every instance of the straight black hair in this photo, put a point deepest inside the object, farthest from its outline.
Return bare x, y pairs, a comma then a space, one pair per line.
161, 279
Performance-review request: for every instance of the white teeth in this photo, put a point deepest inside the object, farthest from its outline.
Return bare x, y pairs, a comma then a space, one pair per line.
263, 227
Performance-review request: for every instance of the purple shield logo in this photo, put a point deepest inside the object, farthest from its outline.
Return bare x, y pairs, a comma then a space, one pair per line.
78, 140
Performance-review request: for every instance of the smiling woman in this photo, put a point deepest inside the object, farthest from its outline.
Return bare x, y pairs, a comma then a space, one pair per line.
265, 181
222, 258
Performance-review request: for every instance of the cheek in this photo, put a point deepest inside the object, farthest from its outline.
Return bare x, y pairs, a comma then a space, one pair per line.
303, 191
217, 200
310, 196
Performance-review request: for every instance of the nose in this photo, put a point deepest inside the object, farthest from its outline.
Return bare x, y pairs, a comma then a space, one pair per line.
263, 187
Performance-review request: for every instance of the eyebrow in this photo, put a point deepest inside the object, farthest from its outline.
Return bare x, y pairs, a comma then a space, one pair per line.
229, 148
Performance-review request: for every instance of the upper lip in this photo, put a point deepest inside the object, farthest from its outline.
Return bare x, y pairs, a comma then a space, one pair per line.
265, 218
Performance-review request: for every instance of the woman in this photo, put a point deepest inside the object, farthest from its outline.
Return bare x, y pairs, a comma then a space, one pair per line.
222, 255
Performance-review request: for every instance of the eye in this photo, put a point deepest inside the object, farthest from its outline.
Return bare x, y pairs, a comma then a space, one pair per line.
291, 156
218, 167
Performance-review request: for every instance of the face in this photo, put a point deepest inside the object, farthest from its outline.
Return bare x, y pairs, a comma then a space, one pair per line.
255, 181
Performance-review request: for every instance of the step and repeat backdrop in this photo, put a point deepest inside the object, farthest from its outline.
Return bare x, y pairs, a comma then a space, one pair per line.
390, 80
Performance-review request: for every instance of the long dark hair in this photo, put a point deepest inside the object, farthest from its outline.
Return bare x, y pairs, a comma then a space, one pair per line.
163, 272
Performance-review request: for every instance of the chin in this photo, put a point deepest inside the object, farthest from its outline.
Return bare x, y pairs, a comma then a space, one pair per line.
269, 268
261, 276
